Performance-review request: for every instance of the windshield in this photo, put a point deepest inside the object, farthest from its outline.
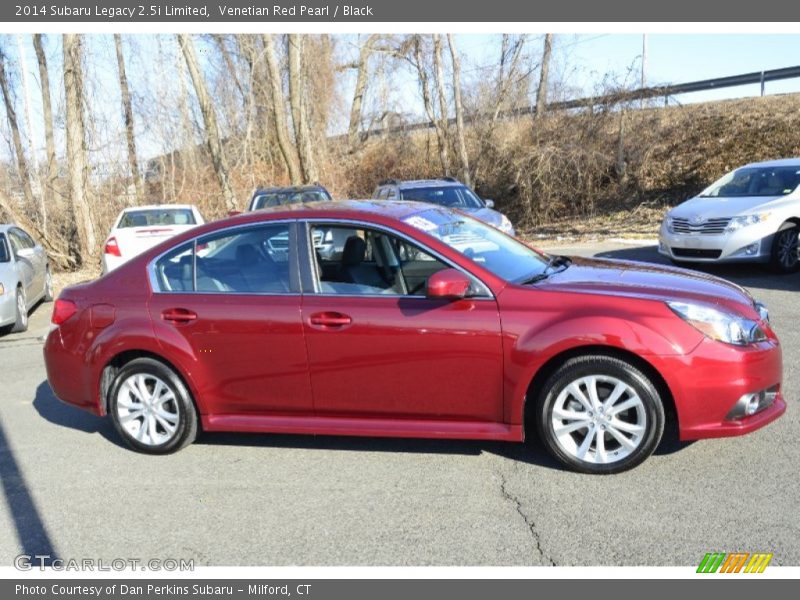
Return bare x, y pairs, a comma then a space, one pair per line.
270, 199
755, 181
156, 216
451, 196
490, 248
4, 256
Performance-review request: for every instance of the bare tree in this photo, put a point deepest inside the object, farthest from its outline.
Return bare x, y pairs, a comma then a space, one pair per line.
51, 172
443, 112
541, 92
441, 133
86, 243
510, 55
461, 143
16, 136
297, 102
212, 133
127, 112
362, 73
288, 149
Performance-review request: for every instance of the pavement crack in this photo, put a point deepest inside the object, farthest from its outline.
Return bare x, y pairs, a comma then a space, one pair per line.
530, 523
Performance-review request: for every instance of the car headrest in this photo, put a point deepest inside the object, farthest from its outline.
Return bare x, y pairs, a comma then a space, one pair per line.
355, 249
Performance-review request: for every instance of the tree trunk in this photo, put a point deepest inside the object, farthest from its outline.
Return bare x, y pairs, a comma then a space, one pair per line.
51, 173
16, 137
298, 91
443, 121
426, 99
461, 141
541, 93
127, 112
86, 243
288, 149
353, 138
212, 133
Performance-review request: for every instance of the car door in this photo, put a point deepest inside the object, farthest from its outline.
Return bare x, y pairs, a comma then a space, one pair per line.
231, 301
25, 263
380, 348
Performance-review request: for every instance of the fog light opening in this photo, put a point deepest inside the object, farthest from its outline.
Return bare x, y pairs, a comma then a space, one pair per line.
753, 403
751, 407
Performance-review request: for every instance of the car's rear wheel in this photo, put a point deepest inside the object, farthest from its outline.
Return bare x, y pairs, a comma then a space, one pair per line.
21, 319
599, 414
784, 257
151, 408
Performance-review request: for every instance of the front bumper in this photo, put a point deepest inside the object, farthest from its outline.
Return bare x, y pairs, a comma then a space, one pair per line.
749, 244
707, 383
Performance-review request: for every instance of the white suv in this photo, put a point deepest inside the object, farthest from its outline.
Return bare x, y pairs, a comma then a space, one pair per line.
751, 214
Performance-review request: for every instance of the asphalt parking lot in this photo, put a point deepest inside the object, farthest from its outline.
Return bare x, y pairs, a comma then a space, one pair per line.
69, 489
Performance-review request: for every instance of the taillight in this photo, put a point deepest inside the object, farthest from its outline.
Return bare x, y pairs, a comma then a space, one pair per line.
112, 247
63, 310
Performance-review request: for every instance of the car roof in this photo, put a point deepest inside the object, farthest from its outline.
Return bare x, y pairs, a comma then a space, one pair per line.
4, 227
781, 162
158, 207
349, 209
291, 188
420, 183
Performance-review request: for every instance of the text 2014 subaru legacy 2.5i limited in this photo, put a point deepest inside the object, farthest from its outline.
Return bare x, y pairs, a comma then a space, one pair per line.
428, 323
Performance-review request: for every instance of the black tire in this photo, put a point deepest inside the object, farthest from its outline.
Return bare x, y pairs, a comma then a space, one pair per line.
183, 406
48, 286
650, 412
21, 321
783, 256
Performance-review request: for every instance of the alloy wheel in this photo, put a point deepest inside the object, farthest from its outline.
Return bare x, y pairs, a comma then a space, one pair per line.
147, 409
788, 248
599, 419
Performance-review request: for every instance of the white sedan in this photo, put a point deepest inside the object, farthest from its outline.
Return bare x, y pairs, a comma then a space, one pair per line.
141, 227
752, 214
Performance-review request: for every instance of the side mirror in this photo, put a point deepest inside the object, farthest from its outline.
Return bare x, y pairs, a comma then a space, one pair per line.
450, 284
25, 253
489, 203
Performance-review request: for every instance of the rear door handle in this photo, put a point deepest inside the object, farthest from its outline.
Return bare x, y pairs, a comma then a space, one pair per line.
179, 315
330, 319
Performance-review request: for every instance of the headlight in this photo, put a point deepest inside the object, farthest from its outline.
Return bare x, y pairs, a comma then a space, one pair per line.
719, 325
505, 225
763, 313
668, 222
2, 289
737, 223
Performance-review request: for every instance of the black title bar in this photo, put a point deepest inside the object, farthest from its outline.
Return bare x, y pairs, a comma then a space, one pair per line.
443, 11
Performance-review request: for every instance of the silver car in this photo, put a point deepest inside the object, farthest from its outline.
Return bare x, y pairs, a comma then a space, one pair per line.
752, 214
25, 277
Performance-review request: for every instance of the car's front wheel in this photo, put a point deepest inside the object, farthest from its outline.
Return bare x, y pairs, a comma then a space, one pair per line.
784, 257
151, 408
599, 414
21, 314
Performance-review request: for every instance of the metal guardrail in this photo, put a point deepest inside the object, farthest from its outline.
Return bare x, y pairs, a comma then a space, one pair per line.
646, 93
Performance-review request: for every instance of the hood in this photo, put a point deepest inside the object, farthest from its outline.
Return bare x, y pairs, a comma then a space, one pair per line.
717, 208
648, 282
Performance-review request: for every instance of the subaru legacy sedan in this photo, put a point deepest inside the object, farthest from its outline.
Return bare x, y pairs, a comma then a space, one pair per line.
428, 323
752, 214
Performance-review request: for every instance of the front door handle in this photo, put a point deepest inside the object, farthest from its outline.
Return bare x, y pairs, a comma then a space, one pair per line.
179, 315
330, 319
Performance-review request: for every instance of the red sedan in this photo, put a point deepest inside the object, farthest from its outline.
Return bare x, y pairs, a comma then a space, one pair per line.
406, 320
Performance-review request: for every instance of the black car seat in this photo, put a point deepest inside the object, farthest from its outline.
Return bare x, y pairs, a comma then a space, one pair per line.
352, 268
259, 273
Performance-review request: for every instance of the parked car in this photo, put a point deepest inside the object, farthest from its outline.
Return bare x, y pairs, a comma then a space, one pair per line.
280, 196
752, 214
430, 324
25, 277
447, 192
139, 228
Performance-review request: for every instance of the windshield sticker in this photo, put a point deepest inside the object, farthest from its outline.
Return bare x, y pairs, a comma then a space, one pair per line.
421, 223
